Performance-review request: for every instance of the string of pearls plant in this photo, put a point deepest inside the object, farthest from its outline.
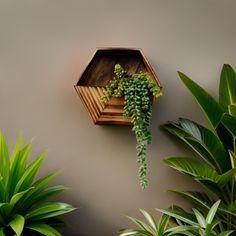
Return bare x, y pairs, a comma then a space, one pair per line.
138, 91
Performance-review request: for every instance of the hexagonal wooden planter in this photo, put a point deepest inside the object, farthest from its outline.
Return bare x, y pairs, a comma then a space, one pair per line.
97, 74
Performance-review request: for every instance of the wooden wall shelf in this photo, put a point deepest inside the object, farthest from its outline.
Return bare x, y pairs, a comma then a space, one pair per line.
97, 74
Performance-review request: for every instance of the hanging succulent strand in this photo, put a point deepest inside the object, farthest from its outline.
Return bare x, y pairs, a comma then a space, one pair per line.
138, 91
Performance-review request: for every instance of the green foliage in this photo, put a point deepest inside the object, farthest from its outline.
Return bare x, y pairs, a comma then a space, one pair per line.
215, 147
191, 224
138, 91
24, 205
214, 211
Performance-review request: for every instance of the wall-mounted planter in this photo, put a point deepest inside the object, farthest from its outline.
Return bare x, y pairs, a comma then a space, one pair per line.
97, 74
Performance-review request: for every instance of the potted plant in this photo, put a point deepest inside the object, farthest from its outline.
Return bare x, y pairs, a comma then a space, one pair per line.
138, 91
216, 149
24, 205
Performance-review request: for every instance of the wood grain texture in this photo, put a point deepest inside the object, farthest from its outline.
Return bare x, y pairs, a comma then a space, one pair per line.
97, 74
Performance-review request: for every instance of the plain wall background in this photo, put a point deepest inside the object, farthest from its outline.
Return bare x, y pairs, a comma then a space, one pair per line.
45, 45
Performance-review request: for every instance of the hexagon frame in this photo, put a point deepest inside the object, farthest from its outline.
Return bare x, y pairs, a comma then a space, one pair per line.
97, 74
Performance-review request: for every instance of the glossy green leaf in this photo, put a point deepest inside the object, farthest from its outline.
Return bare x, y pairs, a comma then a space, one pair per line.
44, 229
228, 123
198, 199
17, 224
180, 214
149, 219
202, 141
200, 218
142, 225
18, 166
47, 210
29, 174
4, 160
162, 224
227, 89
212, 212
207, 103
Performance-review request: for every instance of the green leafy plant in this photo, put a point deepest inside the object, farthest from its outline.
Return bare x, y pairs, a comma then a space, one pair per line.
214, 168
24, 205
216, 149
138, 91
191, 224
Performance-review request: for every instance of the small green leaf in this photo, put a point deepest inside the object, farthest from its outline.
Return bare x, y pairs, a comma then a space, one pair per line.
44, 229
17, 224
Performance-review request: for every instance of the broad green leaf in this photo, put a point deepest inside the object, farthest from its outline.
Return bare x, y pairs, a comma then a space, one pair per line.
44, 229
47, 210
29, 174
202, 141
17, 224
227, 89
150, 219
200, 200
207, 103
200, 218
212, 212
180, 214
193, 168
228, 135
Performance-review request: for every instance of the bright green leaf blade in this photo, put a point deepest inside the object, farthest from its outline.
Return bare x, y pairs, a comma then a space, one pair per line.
128, 232
181, 230
37, 194
44, 229
207, 103
203, 142
193, 168
198, 199
29, 174
180, 214
150, 219
212, 212
229, 135
162, 224
141, 225
4, 160
18, 165
227, 88
17, 224
200, 218
47, 210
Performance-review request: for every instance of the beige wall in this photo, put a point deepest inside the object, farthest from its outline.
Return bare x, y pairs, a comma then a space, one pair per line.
44, 46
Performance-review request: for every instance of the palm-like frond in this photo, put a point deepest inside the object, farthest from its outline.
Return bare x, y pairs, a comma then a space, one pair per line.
24, 204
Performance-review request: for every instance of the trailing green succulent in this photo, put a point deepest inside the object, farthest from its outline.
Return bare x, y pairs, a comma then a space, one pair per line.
24, 206
138, 91
215, 167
